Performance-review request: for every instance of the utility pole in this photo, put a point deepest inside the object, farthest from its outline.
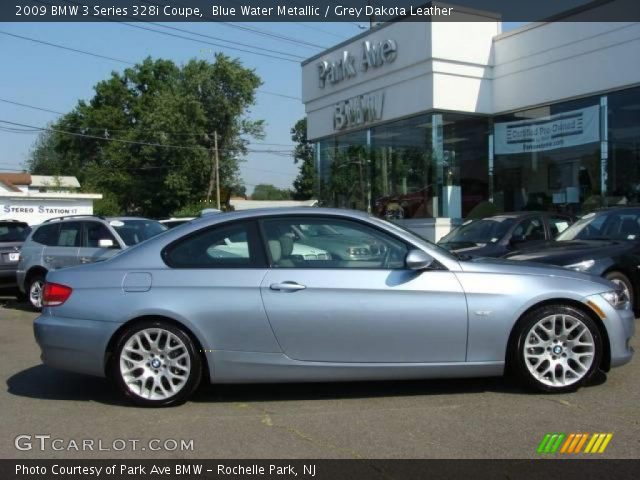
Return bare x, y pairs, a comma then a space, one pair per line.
215, 171
215, 142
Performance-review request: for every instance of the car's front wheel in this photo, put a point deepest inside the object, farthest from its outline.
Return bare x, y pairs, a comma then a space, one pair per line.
156, 364
558, 349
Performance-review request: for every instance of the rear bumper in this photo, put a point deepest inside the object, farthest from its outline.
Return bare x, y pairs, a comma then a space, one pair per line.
72, 344
7, 276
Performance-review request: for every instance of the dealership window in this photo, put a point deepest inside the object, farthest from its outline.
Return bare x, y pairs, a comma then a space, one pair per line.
623, 179
425, 166
548, 158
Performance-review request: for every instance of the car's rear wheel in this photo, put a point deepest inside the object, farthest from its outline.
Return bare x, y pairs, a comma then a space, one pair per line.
34, 291
621, 280
558, 349
156, 364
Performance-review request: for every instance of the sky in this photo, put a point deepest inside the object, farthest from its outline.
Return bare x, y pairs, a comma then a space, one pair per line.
56, 79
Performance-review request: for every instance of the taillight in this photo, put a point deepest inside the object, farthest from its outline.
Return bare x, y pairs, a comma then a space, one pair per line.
55, 294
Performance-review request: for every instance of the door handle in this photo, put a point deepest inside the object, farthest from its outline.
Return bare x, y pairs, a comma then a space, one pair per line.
48, 259
85, 259
287, 287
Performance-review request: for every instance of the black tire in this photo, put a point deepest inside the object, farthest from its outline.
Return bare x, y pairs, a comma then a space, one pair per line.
545, 379
35, 283
621, 278
118, 363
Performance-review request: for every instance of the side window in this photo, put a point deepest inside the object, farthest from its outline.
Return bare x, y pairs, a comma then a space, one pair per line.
218, 247
557, 225
96, 231
316, 242
47, 234
69, 234
530, 229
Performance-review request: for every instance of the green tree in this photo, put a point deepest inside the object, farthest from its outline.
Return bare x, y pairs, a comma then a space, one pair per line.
145, 139
305, 183
265, 191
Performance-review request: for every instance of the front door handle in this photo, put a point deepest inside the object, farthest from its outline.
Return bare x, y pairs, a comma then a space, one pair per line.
48, 259
287, 287
85, 259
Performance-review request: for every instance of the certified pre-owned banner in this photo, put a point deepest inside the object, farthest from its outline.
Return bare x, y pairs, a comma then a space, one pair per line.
577, 127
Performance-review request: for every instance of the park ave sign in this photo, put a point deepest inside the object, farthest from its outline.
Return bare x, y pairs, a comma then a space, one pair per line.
374, 54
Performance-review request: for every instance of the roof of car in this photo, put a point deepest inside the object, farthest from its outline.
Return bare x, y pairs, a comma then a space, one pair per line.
278, 211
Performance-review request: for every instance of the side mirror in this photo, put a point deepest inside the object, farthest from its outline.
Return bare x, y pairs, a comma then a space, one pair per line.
418, 260
105, 243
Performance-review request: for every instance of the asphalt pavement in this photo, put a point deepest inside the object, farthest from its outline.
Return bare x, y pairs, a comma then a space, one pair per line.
471, 418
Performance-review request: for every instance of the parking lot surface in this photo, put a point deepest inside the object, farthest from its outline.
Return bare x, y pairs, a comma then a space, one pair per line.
471, 418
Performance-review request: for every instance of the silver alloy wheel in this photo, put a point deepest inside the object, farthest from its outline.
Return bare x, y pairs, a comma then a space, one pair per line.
35, 293
559, 350
623, 286
155, 364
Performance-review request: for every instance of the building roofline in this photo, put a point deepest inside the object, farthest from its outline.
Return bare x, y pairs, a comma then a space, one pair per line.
461, 9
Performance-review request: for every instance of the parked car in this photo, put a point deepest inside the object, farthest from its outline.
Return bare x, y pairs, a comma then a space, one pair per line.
73, 240
12, 235
501, 234
605, 243
159, 316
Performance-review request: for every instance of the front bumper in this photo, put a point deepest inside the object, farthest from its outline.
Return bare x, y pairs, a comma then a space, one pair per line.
72, 344
620, 327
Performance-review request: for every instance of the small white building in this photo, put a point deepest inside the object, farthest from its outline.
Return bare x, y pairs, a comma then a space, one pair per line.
36, 198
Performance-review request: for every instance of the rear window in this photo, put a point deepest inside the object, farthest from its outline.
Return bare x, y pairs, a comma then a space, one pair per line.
13, 231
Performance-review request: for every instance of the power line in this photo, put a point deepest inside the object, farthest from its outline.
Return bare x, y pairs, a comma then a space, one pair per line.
102, 129
126, 62
214, 44
35, 129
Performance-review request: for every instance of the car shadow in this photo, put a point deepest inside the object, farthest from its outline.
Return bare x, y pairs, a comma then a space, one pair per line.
47, 383
42, 382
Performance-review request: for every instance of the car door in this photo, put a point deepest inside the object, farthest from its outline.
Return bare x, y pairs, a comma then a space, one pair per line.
64, 253
358, 302
90, 250
218, 288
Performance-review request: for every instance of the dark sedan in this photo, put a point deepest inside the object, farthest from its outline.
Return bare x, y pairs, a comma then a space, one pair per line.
12, 235
604, 243
502, 234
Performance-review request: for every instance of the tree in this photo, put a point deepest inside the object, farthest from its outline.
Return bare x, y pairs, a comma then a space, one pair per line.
265, 191
145, 139
305, 183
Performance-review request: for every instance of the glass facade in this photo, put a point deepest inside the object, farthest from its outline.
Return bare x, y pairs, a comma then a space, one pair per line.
569, 157
424, 166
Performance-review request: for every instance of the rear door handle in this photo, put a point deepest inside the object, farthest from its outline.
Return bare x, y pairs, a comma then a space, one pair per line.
85, 260
48, 259
287, 287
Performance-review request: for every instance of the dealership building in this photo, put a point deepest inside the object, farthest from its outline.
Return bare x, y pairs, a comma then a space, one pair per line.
428, 122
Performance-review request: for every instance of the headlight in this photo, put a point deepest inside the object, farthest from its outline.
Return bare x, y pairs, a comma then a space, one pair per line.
617, 299
581, 266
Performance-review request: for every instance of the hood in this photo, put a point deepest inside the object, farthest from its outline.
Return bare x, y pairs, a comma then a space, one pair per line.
512, 267
569, 252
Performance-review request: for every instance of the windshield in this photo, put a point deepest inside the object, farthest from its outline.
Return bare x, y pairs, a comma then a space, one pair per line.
488, 230
14, 232
133, 232
616, 225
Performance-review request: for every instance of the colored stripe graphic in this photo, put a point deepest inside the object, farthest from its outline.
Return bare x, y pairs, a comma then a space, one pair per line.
551, 442
574, 442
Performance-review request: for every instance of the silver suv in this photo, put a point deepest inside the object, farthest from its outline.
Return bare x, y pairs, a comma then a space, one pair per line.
73, 240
